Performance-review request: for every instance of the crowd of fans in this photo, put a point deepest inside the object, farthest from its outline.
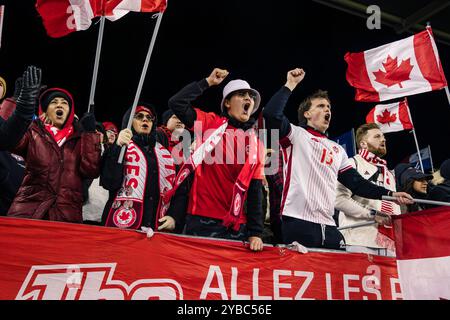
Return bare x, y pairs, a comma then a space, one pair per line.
203, 174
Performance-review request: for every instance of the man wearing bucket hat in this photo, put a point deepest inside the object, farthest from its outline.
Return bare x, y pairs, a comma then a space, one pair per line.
314, 164
220, 189
59, 154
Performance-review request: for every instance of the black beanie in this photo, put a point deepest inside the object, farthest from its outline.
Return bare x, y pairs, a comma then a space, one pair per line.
166, 116
445, 169
50, 95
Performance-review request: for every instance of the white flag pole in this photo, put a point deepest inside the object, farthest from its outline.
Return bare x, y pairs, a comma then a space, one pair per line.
2, 16
141, 80
439, 63
96, 63
431, 159
415, 137
358, 225
448, 94
435, 203
354, 141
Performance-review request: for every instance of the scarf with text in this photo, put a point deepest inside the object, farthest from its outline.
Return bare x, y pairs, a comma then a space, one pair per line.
128, 206
385, 235
242, 182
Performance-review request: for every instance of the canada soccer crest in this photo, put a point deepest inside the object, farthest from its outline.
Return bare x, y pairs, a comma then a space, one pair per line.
124, 217
237, 204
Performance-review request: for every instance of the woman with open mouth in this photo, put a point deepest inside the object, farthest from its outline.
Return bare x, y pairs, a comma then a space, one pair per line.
137, 186
59, 153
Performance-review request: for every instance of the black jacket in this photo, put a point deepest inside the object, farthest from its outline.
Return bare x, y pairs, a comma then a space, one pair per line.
111, 178
441, 192
11, 176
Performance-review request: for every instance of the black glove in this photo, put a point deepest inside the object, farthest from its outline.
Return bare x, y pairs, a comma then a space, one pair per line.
17, 88
88, 121
31, 84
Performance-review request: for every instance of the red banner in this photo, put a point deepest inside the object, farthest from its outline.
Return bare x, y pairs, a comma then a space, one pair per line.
62, 261
422, 240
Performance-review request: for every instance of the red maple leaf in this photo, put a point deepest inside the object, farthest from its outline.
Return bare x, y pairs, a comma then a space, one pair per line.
124, 215
394, 74
386, 117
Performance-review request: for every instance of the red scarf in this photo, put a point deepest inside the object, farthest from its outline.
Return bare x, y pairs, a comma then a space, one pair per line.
243, 180
60, 135
385, 236
127, 209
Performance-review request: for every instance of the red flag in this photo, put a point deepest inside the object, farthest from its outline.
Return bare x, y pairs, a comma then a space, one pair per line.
423, 253
391, 117
61, 17
401, 68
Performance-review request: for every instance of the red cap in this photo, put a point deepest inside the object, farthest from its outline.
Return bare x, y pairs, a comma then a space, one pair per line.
142, 108
110, 126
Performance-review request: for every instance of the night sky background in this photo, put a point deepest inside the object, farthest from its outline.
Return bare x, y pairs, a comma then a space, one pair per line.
258, 41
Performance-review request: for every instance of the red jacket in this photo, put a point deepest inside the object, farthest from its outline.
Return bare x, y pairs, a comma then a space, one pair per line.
52, 185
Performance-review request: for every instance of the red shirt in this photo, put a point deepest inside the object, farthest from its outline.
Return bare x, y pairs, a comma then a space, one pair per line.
212, 189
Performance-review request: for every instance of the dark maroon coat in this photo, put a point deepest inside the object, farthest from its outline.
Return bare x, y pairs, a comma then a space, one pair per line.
52, 185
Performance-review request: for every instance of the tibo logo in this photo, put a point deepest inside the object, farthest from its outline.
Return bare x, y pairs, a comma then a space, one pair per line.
92, 282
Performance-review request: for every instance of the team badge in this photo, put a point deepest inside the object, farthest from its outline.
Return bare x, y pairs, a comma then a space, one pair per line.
237, 204
124, 217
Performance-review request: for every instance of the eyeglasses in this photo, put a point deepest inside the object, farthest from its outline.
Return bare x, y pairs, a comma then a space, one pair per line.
141, 116
243, 93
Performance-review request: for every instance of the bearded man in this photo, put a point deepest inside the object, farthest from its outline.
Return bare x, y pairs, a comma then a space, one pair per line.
354, 209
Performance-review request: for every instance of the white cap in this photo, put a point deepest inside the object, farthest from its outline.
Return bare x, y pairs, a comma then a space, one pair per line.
235, 85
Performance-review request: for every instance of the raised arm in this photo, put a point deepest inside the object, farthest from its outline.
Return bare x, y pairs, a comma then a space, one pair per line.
13, 129
181, 102
273, 111
358, 185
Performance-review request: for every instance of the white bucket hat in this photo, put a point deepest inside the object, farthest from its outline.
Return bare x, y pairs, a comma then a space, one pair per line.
235, 85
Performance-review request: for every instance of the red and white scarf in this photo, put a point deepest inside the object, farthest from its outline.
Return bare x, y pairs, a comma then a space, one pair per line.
385, 234
60, 135
128, 207
242, 183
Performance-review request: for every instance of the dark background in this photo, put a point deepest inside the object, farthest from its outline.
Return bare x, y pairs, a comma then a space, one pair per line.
258, 41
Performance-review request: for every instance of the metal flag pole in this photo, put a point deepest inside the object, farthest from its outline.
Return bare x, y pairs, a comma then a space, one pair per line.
2, 16
96, 63
354, 141
436, 203
141, 80
415, 137
439, 64
448, 94
431, 159
358, 225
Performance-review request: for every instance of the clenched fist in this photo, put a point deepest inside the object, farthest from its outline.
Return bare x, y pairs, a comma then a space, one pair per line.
217, 76
294, 77
124, 137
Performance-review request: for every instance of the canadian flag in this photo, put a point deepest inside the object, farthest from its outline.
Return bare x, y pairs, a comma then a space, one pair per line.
391, 117
61, 17
401, 68
422, 242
